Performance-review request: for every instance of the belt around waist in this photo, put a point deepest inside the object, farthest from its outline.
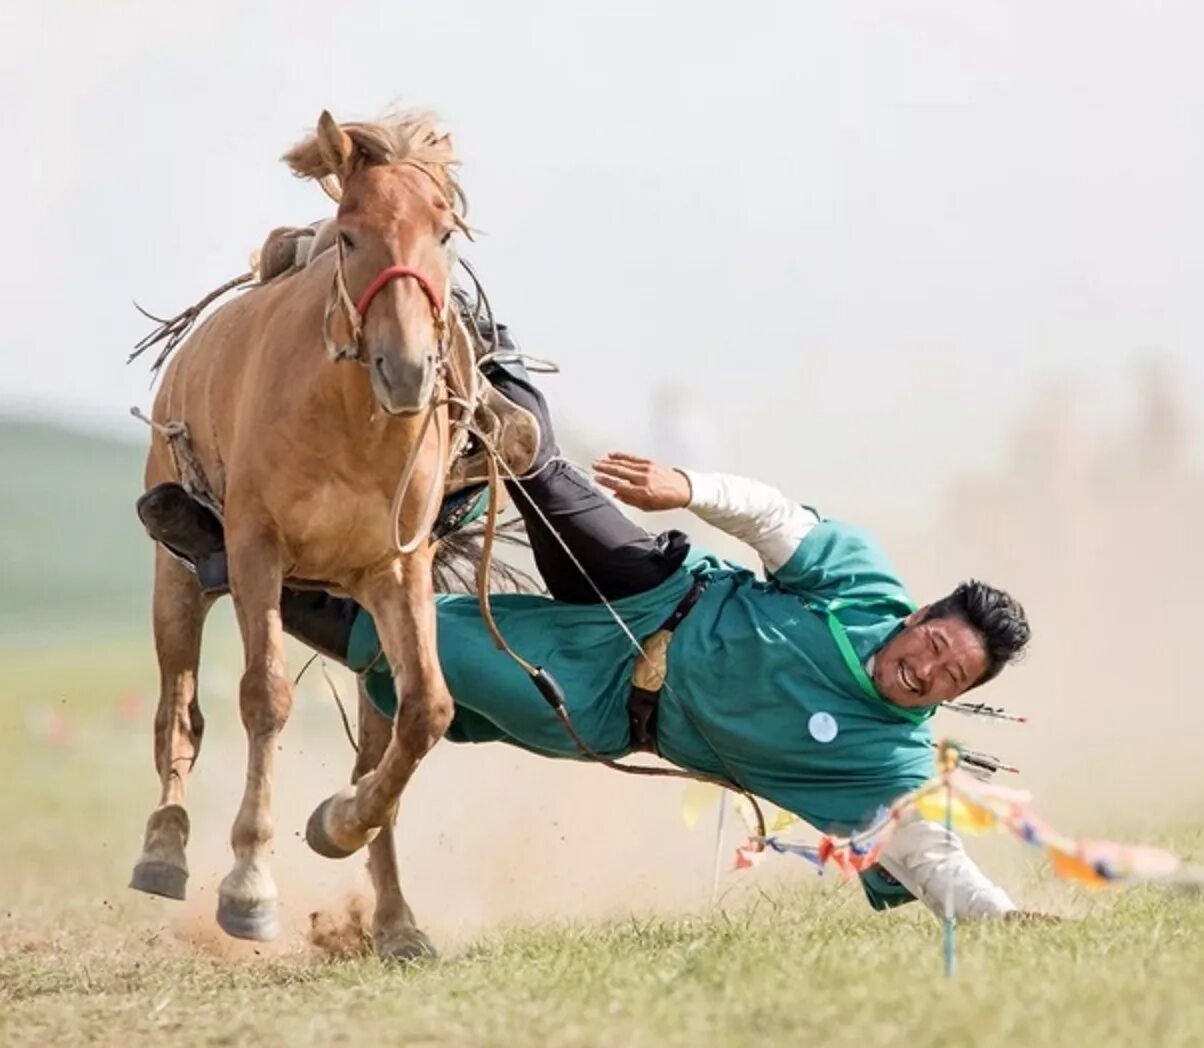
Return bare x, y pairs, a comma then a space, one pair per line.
648, 677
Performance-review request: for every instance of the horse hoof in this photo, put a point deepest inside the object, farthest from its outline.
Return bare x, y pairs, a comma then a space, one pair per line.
409, 945
160, 878
318, 837
248, 919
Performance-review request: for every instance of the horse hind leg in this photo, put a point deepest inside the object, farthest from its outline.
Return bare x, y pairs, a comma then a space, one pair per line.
247, 895
179, 618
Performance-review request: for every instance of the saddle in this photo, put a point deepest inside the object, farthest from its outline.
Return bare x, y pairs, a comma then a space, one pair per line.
287, 249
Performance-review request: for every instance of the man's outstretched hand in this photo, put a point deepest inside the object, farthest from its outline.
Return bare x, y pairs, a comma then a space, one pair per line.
642, 483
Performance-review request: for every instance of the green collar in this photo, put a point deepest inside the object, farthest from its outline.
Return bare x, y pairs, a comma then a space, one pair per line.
917, 715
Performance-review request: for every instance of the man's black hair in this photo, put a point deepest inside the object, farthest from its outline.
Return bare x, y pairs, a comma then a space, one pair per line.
994, 614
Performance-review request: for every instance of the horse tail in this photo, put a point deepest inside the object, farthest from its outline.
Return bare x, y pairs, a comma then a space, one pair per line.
460, 555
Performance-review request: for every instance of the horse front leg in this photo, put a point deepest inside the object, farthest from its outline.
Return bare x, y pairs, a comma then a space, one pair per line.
247, 895
179, 617
403, 607
392, 919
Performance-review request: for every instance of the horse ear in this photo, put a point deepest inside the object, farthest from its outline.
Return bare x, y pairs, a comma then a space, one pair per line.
335, 145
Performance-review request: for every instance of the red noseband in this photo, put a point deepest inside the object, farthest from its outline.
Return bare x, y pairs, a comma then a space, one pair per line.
396, 273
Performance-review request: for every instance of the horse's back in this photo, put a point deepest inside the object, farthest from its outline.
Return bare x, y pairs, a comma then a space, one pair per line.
233, 371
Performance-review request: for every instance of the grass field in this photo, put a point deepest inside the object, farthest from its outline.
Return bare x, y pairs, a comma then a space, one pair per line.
71, 550
84, 960
791, 970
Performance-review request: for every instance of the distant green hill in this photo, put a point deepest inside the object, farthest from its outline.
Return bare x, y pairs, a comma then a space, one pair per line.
73, 557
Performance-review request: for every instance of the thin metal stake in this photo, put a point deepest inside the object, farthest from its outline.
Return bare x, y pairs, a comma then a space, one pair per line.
715, 872
950, 919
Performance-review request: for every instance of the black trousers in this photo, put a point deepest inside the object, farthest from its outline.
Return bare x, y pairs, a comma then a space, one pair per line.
619, 556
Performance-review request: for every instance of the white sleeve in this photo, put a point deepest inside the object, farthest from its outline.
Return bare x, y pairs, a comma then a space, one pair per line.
752, 512
923, 856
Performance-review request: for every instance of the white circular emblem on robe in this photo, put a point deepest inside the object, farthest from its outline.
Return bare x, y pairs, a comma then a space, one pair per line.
822, 727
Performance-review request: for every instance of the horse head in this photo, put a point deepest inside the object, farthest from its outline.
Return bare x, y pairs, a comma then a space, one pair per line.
399, 206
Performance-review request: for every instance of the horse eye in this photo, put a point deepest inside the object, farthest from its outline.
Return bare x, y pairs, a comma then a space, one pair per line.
446, 238
347, 242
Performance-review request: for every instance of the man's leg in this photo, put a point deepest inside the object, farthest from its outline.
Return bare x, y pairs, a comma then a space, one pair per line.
613, 552
320, 620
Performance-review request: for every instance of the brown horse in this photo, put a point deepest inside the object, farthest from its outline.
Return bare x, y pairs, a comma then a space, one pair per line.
321, 471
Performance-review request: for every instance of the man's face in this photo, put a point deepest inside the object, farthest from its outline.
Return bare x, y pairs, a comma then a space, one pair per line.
929, 662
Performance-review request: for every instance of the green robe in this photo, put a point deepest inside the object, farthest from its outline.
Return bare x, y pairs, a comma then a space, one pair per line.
757, 688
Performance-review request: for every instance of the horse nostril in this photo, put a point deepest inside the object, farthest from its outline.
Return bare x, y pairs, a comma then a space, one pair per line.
378, 362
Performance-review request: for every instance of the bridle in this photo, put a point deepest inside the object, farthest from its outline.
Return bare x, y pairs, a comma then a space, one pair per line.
396, 273
354, 311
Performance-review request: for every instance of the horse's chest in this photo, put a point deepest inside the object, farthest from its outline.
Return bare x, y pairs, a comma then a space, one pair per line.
334, 529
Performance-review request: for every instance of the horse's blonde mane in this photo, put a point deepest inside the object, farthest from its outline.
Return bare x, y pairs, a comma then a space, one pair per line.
408, 137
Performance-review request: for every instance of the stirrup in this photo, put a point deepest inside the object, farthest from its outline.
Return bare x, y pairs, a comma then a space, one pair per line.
512, 431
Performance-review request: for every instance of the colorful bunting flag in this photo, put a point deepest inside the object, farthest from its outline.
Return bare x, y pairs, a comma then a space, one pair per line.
975, 807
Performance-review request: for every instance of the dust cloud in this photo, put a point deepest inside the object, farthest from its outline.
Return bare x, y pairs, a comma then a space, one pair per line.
1096, 530
487, 835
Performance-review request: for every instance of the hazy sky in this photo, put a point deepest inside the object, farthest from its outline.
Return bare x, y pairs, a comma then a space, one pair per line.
868, 231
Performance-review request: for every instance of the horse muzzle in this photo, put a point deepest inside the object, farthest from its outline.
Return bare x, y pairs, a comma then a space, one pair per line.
402, 386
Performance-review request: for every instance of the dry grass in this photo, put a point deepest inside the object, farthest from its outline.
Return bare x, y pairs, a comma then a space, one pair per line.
796, 968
